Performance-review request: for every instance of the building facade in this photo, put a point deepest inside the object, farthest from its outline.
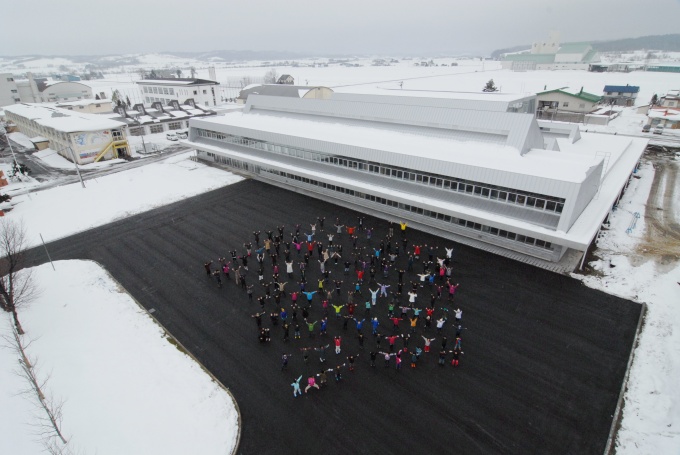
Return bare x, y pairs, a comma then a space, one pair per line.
565, 100
9, 93
620, 95
83, 138
202, 91
481, 171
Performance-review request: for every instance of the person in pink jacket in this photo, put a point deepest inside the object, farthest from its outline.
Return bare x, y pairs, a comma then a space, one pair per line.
311, 382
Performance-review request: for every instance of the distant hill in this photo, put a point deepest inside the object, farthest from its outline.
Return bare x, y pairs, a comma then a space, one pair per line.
651, 42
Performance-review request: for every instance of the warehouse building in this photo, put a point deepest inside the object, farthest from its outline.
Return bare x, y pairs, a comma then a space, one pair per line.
475, 168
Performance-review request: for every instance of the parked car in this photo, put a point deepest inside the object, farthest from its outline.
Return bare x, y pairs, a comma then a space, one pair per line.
171, 137
658, 130
646, 128
183, 134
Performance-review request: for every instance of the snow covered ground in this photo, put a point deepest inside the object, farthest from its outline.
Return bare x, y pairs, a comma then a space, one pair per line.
68, 209
125, 388
651, 413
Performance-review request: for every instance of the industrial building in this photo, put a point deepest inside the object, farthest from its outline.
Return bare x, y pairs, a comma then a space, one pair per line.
477, 168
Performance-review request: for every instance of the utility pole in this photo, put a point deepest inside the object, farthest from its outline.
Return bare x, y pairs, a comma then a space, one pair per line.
73, 157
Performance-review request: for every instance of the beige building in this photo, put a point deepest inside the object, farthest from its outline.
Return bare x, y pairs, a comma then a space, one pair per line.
291, 91
89, 106
80, 137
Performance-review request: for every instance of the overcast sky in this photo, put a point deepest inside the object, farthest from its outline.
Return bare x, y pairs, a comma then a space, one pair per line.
395, 27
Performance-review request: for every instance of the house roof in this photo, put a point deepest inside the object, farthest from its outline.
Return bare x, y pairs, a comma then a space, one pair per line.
295, 91
622, 88
176, 81
580, 94
63, 120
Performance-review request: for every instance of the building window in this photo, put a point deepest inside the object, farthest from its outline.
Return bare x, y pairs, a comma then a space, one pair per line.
172, 91
14, 91
138, 131
9, 79
146, 89
205, 92
565, 104
174, 125
195, 92
156, 129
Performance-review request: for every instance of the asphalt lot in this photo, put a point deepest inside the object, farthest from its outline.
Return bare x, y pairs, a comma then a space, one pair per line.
544, 356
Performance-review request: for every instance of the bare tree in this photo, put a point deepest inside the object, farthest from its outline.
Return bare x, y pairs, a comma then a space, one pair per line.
49, 420
270, 77
16, 286
246, 81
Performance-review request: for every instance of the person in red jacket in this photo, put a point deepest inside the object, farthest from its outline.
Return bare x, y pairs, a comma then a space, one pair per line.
337, 340
396, 322
391, 340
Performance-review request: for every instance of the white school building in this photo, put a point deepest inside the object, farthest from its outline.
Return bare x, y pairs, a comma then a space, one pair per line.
475, 168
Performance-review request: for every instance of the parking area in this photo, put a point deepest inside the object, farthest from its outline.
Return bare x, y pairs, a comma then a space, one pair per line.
544, 356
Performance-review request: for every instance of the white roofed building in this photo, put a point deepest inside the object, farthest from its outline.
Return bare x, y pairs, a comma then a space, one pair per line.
477, 168
202, 91
74, 135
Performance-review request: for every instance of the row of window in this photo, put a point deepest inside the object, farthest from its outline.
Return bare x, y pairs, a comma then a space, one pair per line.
159, 90
409, 208
501, 194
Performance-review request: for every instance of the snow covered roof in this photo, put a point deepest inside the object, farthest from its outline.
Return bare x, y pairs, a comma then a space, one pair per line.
177, 81
668, 114
474, 152
63, 120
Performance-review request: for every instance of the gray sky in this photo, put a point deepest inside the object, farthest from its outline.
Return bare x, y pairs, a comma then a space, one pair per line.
395, 27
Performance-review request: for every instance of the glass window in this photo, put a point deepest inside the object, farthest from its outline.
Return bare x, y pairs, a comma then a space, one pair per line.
511, 235
469, 188
502, 195
559, 207
550, 205
493, 231
485, 192
520, 238
478, 190
521, 199
447, 184
512, 197
503, 233
447, 218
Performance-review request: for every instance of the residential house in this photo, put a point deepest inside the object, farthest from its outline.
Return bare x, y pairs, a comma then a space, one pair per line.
620, 95
286, 79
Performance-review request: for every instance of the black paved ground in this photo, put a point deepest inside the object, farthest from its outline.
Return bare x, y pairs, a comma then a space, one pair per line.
544, 355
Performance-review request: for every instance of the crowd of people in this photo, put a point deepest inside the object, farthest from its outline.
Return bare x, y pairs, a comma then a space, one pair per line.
342, 289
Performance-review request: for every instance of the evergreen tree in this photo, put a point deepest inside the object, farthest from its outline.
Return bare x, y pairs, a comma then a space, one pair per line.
490, 86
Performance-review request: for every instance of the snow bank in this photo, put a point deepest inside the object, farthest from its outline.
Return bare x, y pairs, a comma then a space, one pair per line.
126, 389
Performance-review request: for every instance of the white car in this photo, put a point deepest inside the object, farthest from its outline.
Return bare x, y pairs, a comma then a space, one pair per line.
171, 137
183, 134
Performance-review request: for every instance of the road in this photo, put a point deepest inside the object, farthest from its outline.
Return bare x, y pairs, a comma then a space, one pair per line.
544, 356
52, 177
